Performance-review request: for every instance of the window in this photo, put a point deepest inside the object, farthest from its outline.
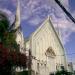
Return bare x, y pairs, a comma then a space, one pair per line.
50, 52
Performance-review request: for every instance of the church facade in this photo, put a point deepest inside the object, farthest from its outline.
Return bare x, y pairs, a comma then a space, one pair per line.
47, 51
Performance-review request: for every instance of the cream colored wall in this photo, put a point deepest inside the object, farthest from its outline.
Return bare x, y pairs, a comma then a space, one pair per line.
43, 38
27, 45
20, 40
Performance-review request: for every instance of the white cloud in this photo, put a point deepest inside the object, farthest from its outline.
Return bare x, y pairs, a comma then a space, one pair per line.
65, 3
64, 27
9, 14
49, 7
14, 2
36, 10
35, 21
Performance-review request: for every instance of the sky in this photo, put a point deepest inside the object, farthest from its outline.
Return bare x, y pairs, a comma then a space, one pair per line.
34, 12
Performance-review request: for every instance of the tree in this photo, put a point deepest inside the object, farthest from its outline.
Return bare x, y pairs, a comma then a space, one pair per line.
9, 50
63, 72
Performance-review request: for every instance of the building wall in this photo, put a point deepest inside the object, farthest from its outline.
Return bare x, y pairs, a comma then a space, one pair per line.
20, 40
70, 67
43, 38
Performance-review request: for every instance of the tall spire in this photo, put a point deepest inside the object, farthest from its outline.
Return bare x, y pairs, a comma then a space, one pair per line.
17, 16
19, 34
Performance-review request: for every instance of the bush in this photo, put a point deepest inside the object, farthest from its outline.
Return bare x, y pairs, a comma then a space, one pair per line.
63, 72
22, 73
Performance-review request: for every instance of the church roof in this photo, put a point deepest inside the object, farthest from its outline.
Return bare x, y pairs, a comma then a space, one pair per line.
47, 20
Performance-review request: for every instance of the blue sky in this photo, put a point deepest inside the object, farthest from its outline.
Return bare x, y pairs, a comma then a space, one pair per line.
34, 12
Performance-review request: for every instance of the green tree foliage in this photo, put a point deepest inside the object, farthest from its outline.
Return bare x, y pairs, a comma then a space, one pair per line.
7, 36
63, 72
4, 23
9, 50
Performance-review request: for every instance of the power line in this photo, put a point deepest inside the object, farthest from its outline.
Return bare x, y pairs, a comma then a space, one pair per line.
66, 12
66, 54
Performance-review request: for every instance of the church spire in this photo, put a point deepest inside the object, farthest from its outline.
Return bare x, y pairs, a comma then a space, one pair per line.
17, 16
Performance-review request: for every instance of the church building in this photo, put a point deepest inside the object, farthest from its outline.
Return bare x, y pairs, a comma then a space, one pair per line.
48, 53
